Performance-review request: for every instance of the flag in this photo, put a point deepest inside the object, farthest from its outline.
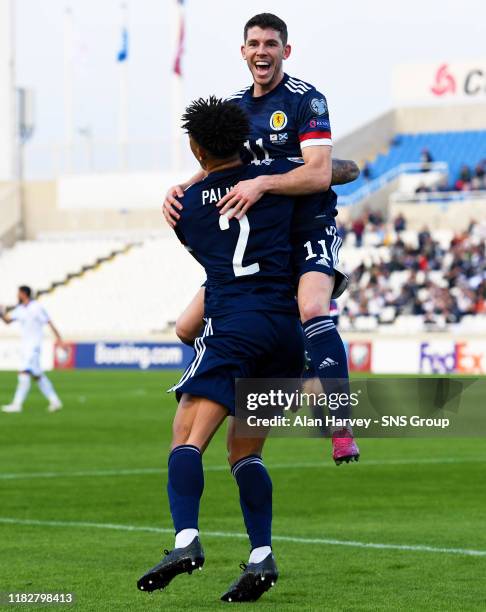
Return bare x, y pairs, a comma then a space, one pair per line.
180, 41
122, 55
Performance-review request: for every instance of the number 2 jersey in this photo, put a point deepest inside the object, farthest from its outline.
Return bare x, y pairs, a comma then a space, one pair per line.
283, 122
247, 262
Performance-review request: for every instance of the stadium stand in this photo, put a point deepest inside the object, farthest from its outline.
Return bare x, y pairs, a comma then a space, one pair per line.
414, 281
44, 264
136, 294
402, 281
133, 283
455, 149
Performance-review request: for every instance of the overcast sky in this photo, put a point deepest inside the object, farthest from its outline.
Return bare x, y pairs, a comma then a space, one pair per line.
347, 49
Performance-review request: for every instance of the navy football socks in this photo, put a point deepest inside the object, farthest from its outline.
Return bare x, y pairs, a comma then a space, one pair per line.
329, 359
255, 499
185, 486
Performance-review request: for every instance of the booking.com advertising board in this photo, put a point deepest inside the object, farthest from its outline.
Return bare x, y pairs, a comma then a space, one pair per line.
123, 356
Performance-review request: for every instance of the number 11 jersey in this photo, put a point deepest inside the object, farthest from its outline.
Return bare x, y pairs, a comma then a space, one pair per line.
283, 122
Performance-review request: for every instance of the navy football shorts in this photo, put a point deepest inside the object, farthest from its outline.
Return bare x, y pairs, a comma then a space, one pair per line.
250, 344
317, 250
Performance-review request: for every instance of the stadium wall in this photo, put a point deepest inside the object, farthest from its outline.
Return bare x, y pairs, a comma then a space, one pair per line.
10, 214
368, 140
374, 202
439, 215
43, 213
450, 118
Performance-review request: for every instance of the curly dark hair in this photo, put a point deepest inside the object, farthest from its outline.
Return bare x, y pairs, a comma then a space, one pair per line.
218, 126
267, 20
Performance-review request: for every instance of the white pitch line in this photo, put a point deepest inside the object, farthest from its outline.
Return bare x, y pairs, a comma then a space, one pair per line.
233, 535
223, 468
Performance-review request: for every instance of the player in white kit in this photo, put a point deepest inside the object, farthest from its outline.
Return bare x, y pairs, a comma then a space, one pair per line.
32, 318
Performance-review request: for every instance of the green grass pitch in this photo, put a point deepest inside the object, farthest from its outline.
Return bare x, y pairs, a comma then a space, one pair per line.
77, 489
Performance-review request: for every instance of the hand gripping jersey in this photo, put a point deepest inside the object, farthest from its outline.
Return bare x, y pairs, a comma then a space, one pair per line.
247, 262
283, 123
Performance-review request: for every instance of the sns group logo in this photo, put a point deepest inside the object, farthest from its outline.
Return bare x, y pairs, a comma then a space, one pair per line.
278, 120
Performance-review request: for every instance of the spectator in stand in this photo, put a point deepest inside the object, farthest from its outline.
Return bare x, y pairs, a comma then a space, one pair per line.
480, 306
366, 171
426, 159
375, 219
463, 183
423, 262
417, 308
423, 237
476, 183
465, 174
482, 163
399, 224
422, 188
342, 230
358, 229
374, 223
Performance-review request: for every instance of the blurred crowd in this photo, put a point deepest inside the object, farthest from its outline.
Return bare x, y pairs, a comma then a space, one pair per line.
472, 180
371, 222
468, 180
441, 283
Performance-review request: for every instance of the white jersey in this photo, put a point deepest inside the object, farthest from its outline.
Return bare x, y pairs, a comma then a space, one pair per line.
32, 319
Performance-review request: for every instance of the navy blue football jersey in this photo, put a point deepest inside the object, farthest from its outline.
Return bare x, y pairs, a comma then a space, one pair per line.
283, 122
247, 262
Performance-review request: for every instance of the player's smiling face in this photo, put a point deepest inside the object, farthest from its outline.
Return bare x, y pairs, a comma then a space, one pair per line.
264, 53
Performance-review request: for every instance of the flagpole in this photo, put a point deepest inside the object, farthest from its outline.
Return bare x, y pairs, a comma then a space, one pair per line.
177, 84
123, 91
176, 123
68, 88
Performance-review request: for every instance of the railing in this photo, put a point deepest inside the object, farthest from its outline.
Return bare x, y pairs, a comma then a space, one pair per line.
383, 180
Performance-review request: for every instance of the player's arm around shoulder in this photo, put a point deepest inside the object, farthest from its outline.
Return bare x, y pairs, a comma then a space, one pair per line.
312, 176
172, 203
